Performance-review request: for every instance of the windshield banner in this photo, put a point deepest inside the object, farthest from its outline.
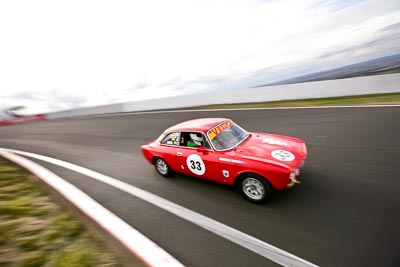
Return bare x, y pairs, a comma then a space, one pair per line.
217, 129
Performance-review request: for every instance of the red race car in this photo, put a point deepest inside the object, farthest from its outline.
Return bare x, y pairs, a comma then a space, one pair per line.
219, 150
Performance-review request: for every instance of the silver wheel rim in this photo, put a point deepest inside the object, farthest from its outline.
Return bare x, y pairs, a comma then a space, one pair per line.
162, 166
253, 188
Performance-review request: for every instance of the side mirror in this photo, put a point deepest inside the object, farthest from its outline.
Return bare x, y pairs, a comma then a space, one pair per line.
201, 149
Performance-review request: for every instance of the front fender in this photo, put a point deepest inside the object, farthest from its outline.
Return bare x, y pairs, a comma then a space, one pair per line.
276, 175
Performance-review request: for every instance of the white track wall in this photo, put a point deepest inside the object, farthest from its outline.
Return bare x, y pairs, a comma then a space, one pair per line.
86, 111
388, 83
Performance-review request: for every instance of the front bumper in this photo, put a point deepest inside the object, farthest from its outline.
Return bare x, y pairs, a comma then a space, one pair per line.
294, 174
293, 182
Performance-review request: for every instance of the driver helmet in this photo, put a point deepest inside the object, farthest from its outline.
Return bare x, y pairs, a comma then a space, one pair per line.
196, 139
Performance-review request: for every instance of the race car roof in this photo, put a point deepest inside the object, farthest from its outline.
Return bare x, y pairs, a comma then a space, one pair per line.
197, 125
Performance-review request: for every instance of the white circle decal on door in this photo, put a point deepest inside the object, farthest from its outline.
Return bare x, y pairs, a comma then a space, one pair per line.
196, 164
283, 155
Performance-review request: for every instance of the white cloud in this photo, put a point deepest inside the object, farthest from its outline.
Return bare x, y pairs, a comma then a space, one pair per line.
102, 51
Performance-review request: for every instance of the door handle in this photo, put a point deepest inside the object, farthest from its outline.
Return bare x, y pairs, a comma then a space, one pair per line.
179, 153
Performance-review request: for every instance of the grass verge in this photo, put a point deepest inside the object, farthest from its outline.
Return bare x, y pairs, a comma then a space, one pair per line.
376, 99
36, 231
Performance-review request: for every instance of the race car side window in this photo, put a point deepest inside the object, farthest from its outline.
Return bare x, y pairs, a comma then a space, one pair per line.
171, 139
186, 140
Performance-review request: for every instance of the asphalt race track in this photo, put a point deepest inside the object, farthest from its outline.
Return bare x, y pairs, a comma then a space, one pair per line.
345, 213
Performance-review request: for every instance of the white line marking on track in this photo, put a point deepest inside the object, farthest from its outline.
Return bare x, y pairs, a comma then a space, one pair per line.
260, 247
145, 249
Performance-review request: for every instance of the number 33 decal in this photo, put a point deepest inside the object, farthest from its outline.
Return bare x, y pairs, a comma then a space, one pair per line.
195, 164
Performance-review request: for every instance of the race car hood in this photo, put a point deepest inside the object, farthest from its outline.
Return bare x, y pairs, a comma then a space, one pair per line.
286, 150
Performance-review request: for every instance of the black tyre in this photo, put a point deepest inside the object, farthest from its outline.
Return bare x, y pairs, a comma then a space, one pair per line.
162, 167
255, 188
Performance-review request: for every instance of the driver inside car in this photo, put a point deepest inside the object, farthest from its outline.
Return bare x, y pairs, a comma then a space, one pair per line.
196, 140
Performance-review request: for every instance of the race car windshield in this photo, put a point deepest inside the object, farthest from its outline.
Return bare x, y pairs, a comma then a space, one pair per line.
227, 135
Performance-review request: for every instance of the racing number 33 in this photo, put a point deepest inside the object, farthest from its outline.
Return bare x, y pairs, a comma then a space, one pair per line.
195, 164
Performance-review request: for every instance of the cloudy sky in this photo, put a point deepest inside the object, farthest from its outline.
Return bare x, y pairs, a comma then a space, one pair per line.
57, 55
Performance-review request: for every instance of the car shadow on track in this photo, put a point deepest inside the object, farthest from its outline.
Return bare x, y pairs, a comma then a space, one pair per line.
201, 190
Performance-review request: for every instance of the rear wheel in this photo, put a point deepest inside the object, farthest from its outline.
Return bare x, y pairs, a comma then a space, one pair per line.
255, 188
162, 167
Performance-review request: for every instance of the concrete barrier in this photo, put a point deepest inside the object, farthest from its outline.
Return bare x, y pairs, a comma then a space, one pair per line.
377, 84
113, 108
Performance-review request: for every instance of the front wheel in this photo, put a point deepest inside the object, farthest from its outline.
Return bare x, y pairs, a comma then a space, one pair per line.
255, 188
162, 167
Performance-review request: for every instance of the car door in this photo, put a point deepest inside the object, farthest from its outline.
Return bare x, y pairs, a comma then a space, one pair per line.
199, 162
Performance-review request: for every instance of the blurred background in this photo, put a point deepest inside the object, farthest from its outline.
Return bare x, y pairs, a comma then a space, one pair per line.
67, 55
